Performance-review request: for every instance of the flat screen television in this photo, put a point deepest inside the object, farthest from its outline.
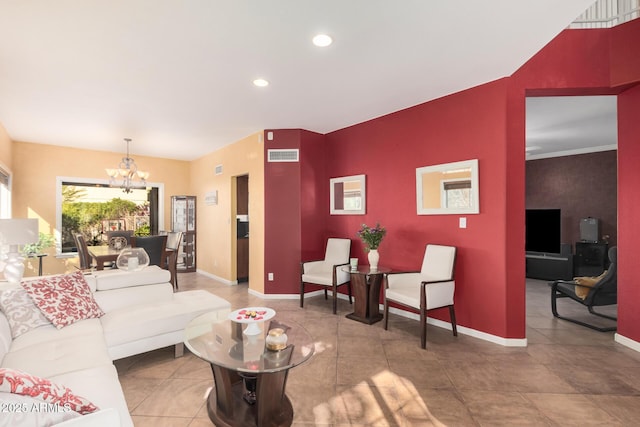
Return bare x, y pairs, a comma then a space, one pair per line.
542, 230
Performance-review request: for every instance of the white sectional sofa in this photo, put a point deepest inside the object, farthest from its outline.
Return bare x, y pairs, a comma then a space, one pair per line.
141, 313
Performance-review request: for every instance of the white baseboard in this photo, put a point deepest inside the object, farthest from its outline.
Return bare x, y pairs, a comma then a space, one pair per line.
217, 278
507, 342
627, 342
280, 296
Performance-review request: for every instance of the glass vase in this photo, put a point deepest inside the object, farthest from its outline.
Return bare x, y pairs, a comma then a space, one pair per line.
132, 259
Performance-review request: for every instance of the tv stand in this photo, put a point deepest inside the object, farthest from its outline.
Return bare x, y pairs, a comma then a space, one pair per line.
546, 266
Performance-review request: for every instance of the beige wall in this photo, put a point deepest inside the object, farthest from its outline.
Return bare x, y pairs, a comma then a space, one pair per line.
216, 229
36, 167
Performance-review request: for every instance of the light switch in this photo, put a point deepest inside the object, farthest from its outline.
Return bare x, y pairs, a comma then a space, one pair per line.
463, 222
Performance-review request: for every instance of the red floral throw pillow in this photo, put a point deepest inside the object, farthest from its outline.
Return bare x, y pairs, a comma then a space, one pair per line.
18, 382
63, 299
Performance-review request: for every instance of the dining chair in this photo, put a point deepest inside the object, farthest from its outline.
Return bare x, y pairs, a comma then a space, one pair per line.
432, 287
155, 246
174, 238
83, 252
327, 272
119, 239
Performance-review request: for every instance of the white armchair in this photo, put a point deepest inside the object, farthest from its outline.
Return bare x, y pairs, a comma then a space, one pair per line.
432, 287
327, 272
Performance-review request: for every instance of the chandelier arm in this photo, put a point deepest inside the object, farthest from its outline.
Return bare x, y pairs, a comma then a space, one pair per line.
128, 172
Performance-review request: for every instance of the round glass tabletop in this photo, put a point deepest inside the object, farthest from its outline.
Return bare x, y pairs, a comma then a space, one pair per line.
222, 342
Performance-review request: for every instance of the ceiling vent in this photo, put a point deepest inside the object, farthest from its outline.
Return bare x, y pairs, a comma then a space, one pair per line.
287, 155
218, 170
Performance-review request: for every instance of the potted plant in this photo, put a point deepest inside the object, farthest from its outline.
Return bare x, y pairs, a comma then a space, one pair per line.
372, 237
45, 241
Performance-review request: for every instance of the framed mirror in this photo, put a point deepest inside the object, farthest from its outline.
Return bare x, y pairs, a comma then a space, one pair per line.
450, 188
348, 195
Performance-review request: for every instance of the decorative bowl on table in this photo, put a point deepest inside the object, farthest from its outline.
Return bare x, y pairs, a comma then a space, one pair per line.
252, 316
132, 259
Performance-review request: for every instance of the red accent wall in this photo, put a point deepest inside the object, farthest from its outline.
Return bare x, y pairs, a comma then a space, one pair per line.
488, 123
296, 206
466, 125
628, 213
576, 62
625, 60
282, 215
314, 195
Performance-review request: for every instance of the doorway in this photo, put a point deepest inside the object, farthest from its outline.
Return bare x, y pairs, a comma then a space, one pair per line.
570, 170
242, 227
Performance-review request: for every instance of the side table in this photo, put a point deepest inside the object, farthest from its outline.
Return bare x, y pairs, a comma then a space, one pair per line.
39, 256
366, 291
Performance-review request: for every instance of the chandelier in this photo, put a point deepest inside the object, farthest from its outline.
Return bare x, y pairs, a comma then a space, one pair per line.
126, 175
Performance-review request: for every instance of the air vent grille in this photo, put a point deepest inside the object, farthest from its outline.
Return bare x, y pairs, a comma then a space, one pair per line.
218, 170
286, 155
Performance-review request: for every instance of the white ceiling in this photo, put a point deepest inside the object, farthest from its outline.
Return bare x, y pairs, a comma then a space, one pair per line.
567, 125
175, 76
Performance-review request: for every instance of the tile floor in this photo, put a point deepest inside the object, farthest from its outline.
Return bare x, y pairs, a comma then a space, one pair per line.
362, 375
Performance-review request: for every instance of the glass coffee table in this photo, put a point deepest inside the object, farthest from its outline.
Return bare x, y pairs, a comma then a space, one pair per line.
249, 379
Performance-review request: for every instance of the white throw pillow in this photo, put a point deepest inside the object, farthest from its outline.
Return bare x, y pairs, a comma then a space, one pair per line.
23, 315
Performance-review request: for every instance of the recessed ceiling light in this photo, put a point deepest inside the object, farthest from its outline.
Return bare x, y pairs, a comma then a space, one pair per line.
322, 40
261, 82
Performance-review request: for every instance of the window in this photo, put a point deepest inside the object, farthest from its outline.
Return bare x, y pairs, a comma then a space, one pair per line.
5, 193
92, 207
457, 193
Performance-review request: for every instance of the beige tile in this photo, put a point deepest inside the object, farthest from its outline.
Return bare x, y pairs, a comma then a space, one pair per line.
141, 421
312, 403
571, 410
366, 405
194, 368
588, 380
136, 390
366, 347
358, 370
429, 407
476, 376
420, 373
531, 377
200, 422
175, 398
362, 375
624, 408
316, 371
502, 409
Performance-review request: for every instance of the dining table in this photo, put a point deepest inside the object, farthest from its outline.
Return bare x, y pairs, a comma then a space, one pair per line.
106, 254
103, 254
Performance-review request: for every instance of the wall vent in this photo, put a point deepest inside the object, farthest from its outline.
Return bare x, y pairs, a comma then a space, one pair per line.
218, 170
286, 155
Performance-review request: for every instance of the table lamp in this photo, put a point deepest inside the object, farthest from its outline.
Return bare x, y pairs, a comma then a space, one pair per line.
16, 232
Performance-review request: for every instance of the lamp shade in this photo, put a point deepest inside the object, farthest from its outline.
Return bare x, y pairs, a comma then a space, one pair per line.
13, 233
18, 231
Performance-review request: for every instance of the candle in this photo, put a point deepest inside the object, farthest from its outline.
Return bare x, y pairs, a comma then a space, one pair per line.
132, 263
